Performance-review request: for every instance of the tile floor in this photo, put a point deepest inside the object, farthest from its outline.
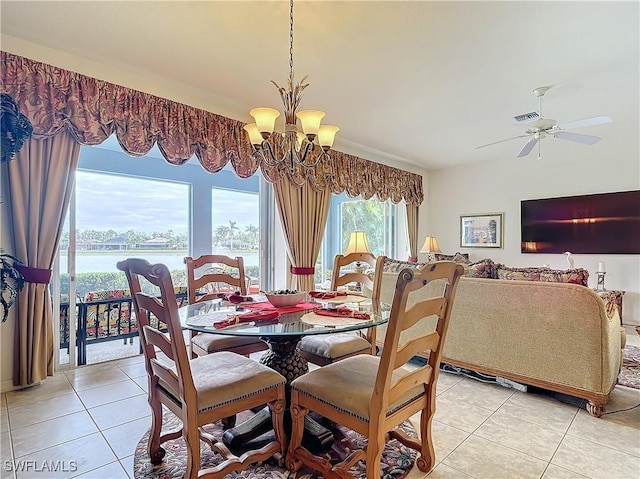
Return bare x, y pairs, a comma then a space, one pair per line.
90, 419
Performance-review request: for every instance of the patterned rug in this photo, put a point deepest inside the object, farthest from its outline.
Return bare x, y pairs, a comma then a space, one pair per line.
397, 460
630, 373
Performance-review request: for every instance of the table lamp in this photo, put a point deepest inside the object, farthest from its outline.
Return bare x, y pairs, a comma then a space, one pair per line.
358, 244
430, 247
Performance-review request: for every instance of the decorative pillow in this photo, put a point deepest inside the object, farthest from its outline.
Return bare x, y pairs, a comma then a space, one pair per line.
485, 268
395, 265
523, 274
456, 258
576, 276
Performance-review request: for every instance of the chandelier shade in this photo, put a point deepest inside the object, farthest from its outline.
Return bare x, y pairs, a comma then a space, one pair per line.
305, 148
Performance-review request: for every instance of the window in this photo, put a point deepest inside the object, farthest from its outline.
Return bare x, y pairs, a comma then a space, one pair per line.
236, 229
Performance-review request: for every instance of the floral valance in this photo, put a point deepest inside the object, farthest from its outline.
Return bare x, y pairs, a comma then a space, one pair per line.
92, 110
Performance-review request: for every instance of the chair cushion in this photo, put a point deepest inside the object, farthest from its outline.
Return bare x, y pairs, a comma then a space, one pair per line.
212, 343
222, 378
334, 346
348, 385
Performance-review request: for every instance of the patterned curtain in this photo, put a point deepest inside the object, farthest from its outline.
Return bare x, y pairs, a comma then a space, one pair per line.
39, 182
54, 99
412, 226
303, 212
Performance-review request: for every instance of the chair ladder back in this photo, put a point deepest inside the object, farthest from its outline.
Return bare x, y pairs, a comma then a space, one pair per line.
166, 310
340, 260
142, 319
395, 356
195, 283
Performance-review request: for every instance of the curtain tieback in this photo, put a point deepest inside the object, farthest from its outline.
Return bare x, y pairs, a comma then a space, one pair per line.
413, 259
302, 271
34, 275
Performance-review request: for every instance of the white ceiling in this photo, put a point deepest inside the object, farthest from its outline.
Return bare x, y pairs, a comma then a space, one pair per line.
423, 82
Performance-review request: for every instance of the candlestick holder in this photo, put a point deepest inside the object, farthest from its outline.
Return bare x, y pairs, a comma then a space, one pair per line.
600, 284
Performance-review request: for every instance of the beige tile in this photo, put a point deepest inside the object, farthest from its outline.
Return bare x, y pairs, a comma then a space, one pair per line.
557, 472
109, 393
595, 461
87, 378
55, 386
138, 359
6, 455
488, 396
134, 370
523, 436
113, 470
541, 410
3, 401
619, 431
483, 459
6, 470
124, 438
43, 410
442, 471
4, 420
119, 412
43, 435
445, 438
446, 381
143, 382
127, 464
460, 413
72, 458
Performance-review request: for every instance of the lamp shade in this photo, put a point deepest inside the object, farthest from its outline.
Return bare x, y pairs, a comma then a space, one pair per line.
430, 245
254, 135
265, 119
310, 120
358, 243
326, 135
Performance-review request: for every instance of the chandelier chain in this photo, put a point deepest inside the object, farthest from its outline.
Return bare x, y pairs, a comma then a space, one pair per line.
291, 41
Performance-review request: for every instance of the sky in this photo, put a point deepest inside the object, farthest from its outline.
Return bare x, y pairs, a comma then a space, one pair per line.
122, 203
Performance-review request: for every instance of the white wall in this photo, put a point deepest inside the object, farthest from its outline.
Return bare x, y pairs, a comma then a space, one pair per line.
565, 170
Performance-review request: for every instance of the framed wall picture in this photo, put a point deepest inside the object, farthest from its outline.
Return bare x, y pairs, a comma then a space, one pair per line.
481, 231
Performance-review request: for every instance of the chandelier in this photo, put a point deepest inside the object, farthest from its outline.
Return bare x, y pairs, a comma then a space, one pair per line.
306, 147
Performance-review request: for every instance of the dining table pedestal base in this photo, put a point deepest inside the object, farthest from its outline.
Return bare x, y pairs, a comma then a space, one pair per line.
282, 356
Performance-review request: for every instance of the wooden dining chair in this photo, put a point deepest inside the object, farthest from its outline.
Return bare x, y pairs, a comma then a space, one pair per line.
372, 395
202, 390
206, 286
325, 349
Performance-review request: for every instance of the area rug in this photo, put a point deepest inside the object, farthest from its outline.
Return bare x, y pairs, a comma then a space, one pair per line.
397, 460
630, 373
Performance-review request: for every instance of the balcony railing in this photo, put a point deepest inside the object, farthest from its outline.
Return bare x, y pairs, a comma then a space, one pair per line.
104, 320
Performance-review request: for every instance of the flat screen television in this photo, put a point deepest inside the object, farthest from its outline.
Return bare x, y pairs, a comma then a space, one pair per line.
606, 223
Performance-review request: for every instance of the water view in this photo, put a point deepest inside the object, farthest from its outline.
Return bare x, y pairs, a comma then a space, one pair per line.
99, 262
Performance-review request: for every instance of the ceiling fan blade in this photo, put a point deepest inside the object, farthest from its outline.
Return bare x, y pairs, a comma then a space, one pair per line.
596, 120
501, 141
528, 146
579, 137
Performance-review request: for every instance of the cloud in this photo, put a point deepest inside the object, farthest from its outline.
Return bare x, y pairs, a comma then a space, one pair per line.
122, 203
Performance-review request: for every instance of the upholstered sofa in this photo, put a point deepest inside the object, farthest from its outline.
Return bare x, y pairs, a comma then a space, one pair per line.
534, 326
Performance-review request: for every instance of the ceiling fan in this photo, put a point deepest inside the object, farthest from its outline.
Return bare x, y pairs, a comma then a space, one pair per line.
539, 127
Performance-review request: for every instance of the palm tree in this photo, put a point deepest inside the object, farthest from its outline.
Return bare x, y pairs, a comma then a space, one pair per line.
252, 234
222, 232
232, 228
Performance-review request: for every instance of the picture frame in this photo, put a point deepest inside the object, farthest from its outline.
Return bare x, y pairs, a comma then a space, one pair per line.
481, 230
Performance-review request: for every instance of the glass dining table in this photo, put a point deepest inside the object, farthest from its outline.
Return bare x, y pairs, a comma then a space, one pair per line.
282, 335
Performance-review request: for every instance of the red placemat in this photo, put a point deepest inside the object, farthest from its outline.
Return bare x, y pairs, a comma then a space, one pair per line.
267, 306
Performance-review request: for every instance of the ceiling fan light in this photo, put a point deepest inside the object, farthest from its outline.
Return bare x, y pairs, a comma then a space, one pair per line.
310, 120
254, 134
265, 120
326, 136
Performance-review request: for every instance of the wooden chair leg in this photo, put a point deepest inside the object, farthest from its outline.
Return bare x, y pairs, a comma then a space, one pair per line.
426, 460
297, 429
277, 417
155, 451
192, 439
375, 446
